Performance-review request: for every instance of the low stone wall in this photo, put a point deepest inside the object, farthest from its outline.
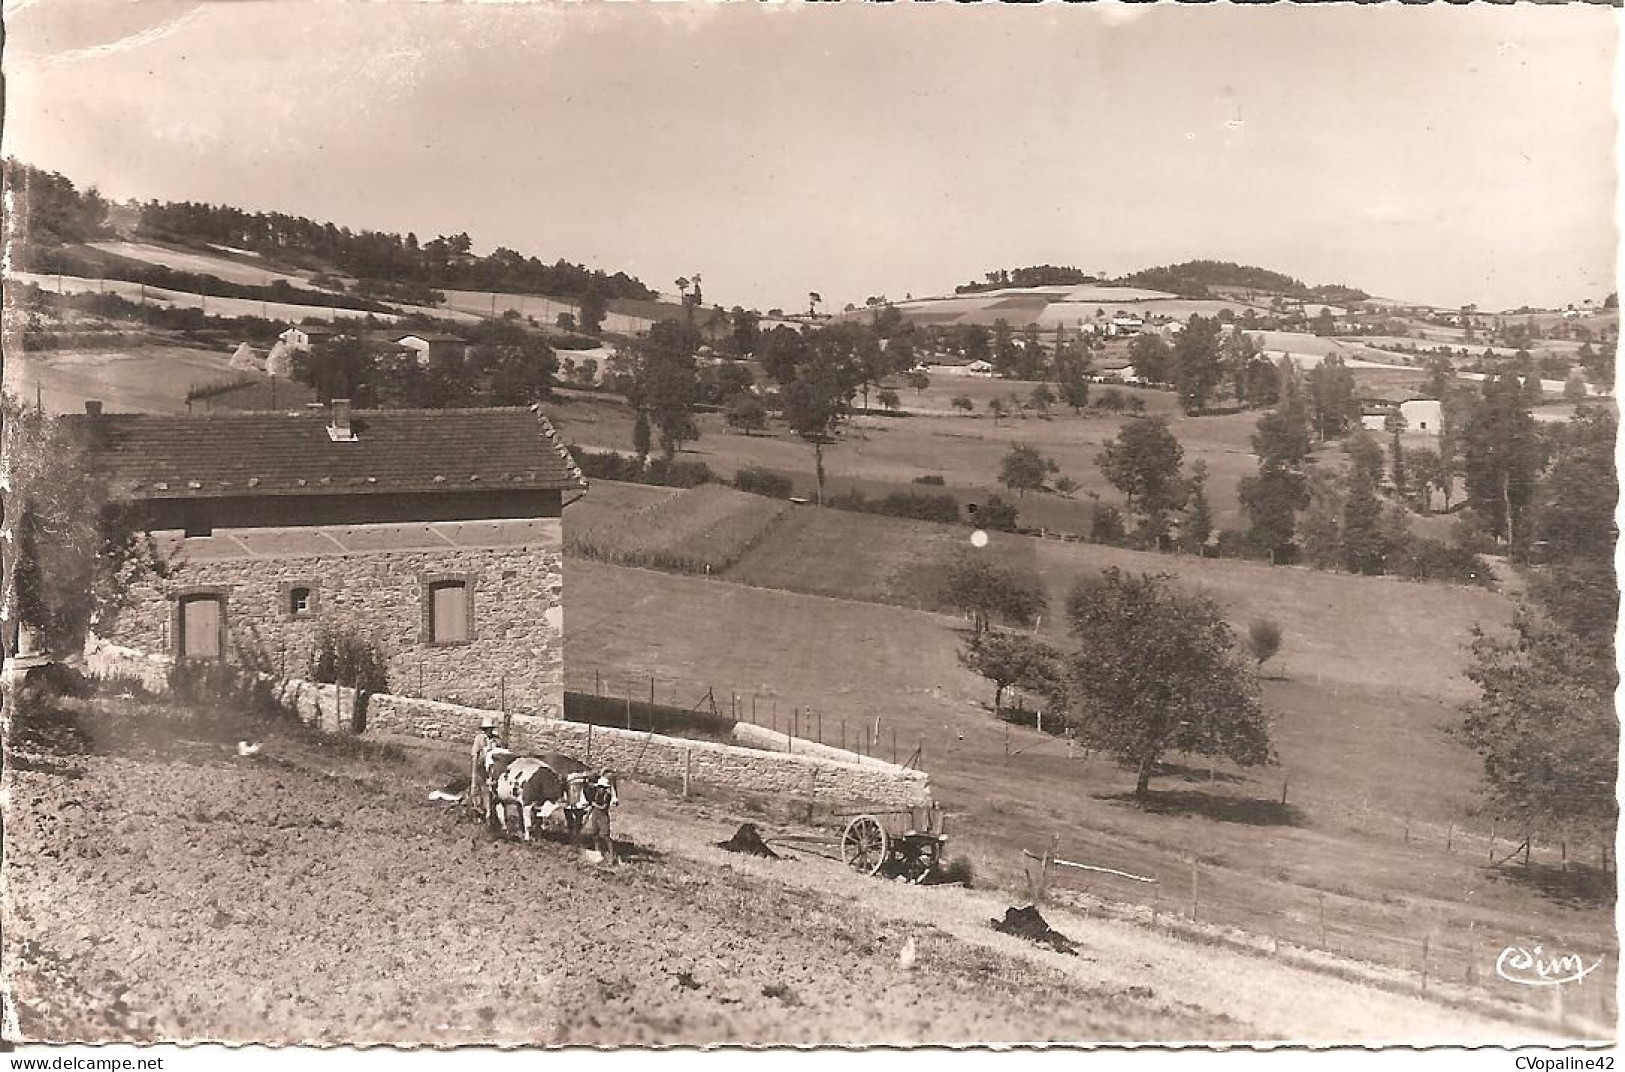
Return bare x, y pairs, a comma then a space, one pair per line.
649, 755
830, 776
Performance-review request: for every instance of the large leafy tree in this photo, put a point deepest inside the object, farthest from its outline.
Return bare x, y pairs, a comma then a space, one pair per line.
1143, 463
1159, 669
817, 399
1007, 659
1272, 498
668, 383
1545, 724
1334, 408
1152, 358
1197, 362
69, 552
1501, 458
1024, 469
984, 589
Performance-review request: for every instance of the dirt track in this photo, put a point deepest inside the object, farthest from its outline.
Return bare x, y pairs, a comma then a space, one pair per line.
163, 889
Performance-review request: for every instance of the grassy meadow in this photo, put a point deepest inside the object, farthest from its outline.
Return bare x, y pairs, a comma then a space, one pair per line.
1379, 824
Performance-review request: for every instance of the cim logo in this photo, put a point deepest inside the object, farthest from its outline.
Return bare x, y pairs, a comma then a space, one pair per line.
1532, 968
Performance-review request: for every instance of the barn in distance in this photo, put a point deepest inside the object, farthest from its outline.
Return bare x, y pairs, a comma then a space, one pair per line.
435, 534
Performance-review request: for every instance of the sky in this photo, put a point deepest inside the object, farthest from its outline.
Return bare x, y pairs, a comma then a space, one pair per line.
1440, 154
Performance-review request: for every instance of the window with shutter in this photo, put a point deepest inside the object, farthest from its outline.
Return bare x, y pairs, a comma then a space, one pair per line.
448, 613
202, 622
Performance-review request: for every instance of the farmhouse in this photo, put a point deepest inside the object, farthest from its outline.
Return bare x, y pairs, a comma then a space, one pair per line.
1421, 415
434, 534
303, 336
429, 345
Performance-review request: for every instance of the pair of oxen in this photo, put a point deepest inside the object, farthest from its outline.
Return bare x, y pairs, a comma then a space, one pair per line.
537, 787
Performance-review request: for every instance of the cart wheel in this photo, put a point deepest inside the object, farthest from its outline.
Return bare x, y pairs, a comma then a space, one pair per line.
863, 845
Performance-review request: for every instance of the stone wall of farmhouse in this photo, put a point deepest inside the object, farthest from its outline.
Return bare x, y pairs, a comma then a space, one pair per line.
515, 654
826, 778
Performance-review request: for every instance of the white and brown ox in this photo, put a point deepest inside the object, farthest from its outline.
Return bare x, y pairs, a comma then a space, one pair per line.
538, 786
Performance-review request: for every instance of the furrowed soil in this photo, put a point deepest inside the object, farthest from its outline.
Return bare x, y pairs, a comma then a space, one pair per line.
160, 886
171, 889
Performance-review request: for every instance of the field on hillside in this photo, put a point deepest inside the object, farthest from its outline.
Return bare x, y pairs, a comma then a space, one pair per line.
212, 305
478, 304
150, 378
1379, 828
1337, 626
703, 530
881, 454
232, 269
324, 899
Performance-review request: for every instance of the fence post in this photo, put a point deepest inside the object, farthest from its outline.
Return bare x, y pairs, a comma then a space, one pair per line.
1193, 889
507, 716
651, 690
1425, 963
1450, 838
1492, 841
1156, 904
843, 735
1323, 919
1285, 778
688, 768
597, 683
589, 741
894, 745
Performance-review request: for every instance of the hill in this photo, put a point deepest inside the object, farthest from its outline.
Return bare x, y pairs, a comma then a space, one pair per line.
1201, 278
378, 264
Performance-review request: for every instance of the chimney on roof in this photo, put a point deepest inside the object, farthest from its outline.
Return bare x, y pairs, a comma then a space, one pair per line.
339, 430
93, 407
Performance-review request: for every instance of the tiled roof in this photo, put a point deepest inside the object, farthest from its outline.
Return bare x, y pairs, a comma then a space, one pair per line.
148, 456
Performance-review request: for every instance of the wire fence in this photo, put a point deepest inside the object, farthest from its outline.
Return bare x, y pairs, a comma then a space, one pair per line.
1439, 946
867, 738
1435, 944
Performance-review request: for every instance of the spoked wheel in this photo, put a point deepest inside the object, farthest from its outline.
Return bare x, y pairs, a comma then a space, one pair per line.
864, 846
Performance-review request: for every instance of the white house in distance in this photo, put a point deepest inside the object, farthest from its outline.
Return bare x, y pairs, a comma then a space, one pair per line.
429, 345
302, 337
1421, 415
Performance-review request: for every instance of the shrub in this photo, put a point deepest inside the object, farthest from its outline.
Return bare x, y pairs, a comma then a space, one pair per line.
1264, 639
608, 465
934, 479
1106, 526
1429, 560
963, 402
997, 514
910, 504
680, 473
344, 657
760, 481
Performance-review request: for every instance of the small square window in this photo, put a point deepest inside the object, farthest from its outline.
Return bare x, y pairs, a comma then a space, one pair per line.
301, 601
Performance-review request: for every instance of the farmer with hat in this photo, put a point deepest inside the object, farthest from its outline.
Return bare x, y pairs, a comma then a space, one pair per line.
479, 787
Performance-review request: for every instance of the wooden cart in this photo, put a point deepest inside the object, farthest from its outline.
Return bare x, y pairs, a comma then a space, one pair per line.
908, 844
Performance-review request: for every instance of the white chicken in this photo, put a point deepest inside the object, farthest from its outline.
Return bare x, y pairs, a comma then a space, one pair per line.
905, 957
245, 749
